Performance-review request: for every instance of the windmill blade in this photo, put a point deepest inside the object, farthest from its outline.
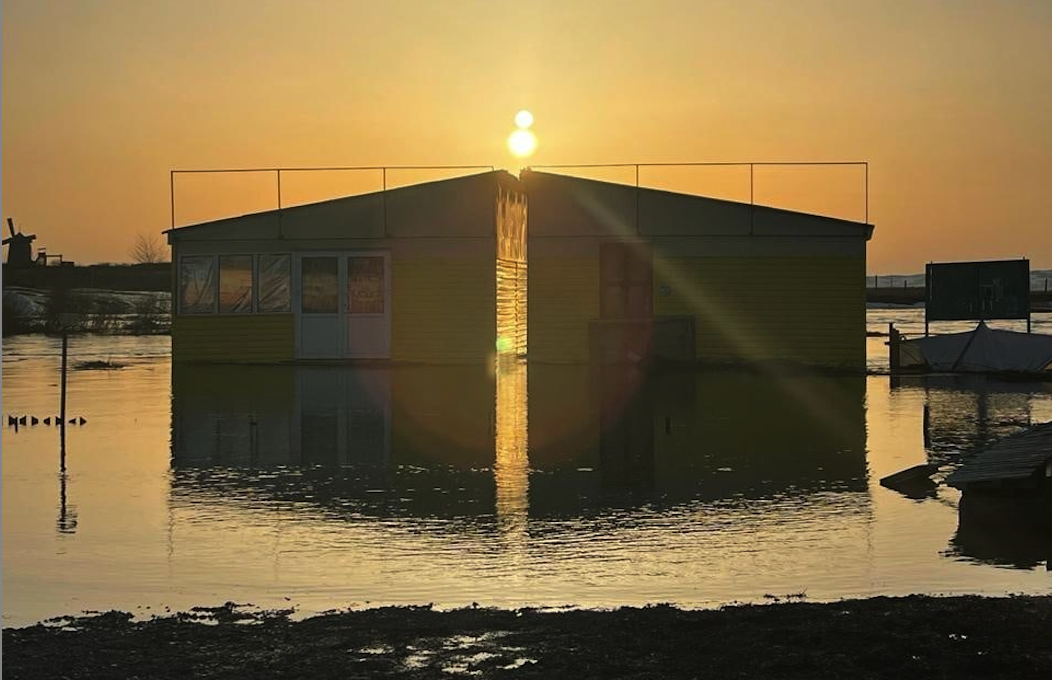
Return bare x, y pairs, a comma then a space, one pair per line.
8, 240
11, 225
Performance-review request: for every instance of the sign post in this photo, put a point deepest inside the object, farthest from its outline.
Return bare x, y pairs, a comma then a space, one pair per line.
65, 321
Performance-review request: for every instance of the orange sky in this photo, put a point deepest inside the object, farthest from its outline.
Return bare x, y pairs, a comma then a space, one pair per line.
950, 102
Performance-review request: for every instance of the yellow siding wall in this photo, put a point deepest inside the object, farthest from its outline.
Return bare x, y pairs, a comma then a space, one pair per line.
248, 338
443, 310
805, 309
564, 296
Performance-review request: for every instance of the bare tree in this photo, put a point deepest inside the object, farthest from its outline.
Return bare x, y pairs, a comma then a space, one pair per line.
148, 249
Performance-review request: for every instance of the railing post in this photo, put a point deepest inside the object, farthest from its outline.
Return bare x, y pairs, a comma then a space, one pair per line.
865, 167
637, 199
752, 199
171, 193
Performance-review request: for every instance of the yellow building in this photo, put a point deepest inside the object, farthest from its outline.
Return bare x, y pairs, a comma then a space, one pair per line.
437, 273
618, 272
408, 275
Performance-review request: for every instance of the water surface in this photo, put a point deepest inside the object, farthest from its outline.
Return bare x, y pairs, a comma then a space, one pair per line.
543, 485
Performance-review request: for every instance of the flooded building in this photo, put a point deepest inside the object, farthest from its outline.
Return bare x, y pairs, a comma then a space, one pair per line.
617, 271
410, 274
437, 273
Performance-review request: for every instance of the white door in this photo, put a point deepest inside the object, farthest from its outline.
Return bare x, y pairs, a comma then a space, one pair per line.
343, 305
367, 319
318, 327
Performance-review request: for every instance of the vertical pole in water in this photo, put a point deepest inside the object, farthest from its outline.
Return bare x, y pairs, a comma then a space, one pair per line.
926, 425
893, 348
62, 398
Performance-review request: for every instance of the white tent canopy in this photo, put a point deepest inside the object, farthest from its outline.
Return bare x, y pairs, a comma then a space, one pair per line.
986, 350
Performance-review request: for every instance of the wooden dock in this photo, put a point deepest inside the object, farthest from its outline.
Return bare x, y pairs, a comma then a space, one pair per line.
1020, 461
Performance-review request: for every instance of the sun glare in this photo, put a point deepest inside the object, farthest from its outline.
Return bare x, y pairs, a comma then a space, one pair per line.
523, 119
522, 143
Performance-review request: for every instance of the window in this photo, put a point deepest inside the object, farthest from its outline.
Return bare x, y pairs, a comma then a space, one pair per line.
320, 290
197, 284
365, 285
235, 284
273, 290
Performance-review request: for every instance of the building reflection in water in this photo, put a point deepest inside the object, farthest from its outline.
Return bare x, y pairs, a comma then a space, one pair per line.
670, 438
1012, 532
516, 481
399, 441
511, 468
434, 442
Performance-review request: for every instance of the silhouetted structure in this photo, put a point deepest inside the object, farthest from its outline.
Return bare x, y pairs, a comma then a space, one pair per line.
689, 277
19, 247
437, 273
410, 274
1019, 463
977, 291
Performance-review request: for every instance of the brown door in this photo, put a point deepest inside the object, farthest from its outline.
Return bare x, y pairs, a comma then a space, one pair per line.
627, 281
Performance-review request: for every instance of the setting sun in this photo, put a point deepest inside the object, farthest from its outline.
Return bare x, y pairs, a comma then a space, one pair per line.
522, 143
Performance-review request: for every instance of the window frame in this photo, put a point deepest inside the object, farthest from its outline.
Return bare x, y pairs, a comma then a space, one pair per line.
215, 258
256, 281
251, 288
179, 285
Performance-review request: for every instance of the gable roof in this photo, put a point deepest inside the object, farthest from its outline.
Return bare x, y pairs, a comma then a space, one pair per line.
460, 206
562, 205
559, 205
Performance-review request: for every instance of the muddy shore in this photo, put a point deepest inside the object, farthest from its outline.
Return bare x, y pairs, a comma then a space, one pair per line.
953, 637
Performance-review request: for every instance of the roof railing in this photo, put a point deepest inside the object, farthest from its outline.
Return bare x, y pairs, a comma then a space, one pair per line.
752, 165
382, 169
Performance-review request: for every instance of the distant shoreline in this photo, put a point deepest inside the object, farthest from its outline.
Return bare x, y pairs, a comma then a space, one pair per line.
905, 637
910, 296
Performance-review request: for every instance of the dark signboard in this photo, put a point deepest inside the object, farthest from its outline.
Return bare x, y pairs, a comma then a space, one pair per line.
962, 291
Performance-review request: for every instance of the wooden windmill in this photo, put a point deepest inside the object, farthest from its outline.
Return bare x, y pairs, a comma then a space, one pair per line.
20, 247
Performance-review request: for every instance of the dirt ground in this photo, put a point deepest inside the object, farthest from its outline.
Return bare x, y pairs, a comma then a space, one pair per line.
911, 637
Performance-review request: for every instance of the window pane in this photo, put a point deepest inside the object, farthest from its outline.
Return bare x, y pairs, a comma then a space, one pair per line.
235, 283
274, 275
319, 295
365, 285
197, 284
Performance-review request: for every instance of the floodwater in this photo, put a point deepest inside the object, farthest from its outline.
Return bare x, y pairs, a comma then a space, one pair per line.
333, 487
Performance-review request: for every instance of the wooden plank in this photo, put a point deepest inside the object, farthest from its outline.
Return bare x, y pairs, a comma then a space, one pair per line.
1015, 457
